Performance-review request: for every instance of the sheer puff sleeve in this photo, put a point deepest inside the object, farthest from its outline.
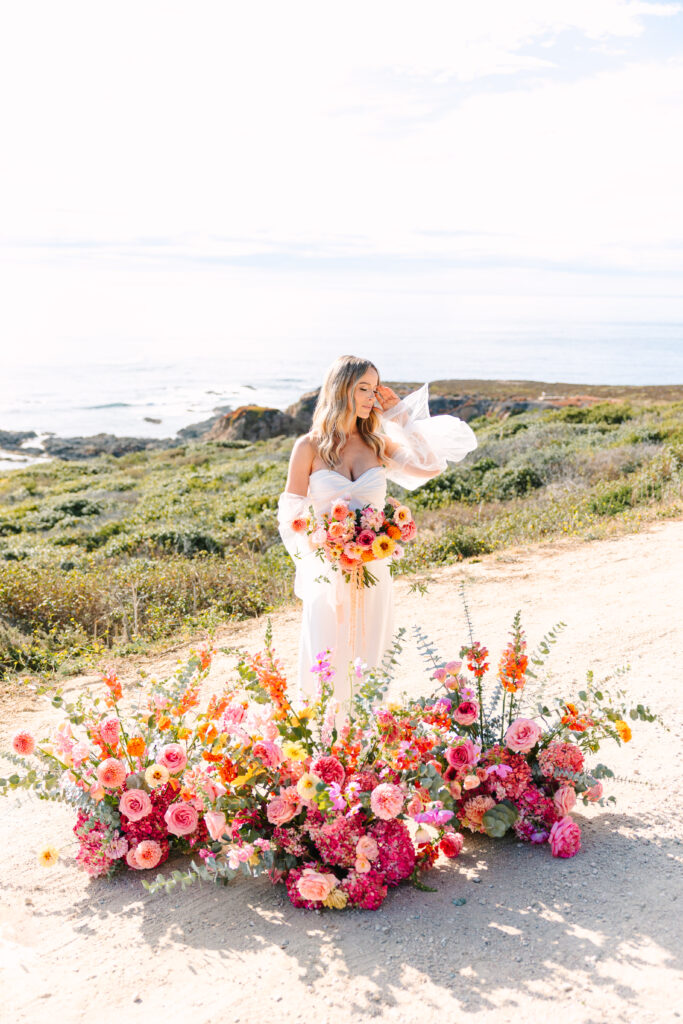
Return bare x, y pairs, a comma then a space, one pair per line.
425, 444
291, 507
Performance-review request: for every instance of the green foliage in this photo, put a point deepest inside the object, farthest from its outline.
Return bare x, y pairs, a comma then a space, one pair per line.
114, 554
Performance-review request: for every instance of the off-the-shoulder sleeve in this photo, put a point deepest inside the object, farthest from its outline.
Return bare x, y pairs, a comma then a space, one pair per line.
426, 444
289, 508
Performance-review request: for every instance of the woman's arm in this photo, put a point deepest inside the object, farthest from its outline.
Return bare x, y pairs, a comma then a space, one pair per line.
300, 463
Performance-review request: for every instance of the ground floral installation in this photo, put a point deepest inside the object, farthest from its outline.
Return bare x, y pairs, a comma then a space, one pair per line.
255, 783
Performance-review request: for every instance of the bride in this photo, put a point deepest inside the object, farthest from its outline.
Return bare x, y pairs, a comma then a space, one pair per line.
362, 435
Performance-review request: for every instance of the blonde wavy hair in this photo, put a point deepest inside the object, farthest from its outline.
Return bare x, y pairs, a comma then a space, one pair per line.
332, 408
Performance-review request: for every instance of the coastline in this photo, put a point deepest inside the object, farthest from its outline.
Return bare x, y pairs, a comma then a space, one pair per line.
468, 399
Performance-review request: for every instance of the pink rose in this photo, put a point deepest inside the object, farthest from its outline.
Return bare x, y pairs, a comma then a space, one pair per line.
522, 735
451, 844
329, 769
280, 810
367, 847
147, 854
314, 885
564, 800
565, 838
173, 757
409, 531
463, 755
135, 804
386, 800
440, 674
23, 744
215, 823
318, 537
212, 789
365, 539
111, 773
594, 793
362, 865
269, 753
466, 713
109, 731
181, 818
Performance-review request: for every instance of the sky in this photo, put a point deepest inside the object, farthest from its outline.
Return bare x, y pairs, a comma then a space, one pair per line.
225, 176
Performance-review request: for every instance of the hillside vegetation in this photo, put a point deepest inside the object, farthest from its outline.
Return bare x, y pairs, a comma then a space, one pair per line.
116, 555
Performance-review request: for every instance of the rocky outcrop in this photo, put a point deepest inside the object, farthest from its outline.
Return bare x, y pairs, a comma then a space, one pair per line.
196, 430
255, 423
74, 448
11, 440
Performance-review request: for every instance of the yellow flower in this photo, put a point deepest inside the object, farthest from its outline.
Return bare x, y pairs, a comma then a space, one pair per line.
48, 856
383, 546
294, 750
184, 732
305, 713
307, 785
156, 775
253, 860
337, 900
623, 729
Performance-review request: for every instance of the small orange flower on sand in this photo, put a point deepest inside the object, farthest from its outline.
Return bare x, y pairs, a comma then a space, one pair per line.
48, 856
136, 746
624, 730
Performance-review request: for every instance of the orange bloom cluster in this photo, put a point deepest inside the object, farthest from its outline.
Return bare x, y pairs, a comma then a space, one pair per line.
624, 730
575, 721
476, 659
190, 699
114, 687
512, 669
272, 679
348, 753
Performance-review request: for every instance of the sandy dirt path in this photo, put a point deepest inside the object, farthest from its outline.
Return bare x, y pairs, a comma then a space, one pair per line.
593, 939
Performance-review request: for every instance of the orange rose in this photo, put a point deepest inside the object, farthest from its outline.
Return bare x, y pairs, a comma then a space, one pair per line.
624, 730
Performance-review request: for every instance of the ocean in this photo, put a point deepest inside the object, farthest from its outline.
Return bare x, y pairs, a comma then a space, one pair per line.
155, 397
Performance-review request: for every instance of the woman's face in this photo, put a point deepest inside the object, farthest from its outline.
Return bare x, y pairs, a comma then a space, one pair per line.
364, 394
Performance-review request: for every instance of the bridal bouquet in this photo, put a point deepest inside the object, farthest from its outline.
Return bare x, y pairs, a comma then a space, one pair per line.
351, 539
251, 782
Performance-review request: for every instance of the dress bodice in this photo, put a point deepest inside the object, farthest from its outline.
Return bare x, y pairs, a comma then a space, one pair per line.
326, 486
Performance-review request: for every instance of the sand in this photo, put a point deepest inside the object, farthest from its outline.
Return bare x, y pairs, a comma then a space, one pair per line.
591, 939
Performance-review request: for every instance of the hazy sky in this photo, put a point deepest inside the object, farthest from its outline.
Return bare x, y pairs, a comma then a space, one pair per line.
216, 175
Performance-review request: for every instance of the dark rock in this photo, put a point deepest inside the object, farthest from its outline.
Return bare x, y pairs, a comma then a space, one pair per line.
103, 444
13, 439
151, 419
255, 423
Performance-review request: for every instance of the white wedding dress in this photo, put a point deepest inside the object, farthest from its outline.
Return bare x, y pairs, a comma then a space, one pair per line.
425, 446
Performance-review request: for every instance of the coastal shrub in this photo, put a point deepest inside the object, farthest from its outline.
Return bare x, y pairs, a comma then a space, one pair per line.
608, 501
604, 412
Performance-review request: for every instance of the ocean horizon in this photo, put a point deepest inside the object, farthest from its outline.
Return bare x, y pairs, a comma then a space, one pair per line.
148, 397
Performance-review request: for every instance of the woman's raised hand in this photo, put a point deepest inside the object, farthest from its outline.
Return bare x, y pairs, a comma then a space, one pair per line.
386, 398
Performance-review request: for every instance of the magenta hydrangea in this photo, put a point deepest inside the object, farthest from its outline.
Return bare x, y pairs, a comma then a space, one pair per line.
537, 815
336, 838
366, 891
396, 859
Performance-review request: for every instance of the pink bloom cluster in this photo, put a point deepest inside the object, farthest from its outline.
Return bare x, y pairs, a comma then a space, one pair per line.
561, 761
